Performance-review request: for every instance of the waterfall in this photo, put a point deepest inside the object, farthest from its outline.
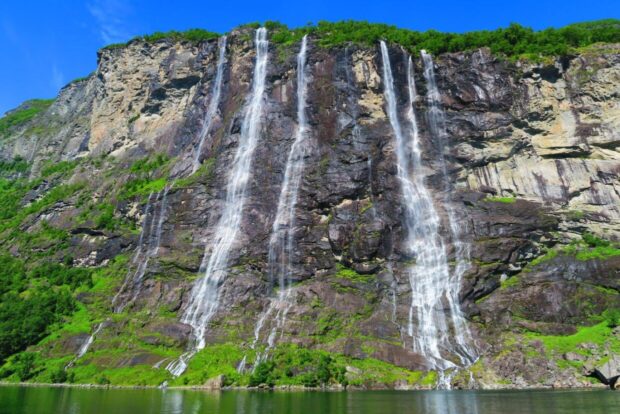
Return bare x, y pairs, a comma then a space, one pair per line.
437, 124
85, 346
214, 103
147, 220
151, 236
204, 297
429, 276
282, 234
281, 241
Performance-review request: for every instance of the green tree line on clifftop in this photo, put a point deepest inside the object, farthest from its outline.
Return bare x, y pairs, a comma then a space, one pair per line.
514, 41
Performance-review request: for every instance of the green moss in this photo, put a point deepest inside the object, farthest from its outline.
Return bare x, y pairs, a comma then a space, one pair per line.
510, 282
550, 254
600, 252
591, 247
350, 274
203, 175
505, 200
599, 334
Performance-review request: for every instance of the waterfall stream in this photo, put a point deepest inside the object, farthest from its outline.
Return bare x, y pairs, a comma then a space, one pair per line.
213, 104
436, 119
429, 276
204, 297
147, 248
281, 246
150, 235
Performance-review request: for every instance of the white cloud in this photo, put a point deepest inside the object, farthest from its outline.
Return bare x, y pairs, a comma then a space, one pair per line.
58, 78
111, 19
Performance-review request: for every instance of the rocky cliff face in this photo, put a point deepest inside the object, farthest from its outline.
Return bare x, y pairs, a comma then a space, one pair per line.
533, 156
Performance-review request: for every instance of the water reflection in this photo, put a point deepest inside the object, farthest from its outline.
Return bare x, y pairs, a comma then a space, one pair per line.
44, 400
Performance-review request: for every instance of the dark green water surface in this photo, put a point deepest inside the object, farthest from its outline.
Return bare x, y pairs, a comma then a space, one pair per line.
44, 400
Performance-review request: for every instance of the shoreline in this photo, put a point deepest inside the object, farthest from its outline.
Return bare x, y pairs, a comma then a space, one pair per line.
284, 388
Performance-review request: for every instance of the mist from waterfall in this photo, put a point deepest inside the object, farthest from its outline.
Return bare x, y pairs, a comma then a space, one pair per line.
204, 299
213, 104
429, 327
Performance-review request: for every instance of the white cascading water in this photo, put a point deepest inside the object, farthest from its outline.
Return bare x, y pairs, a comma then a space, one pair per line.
281, 241
462, 336
429, 277
282, 234
138, 253
85, 346
151, 236
140, 258
213, 104
153, 243
204, 297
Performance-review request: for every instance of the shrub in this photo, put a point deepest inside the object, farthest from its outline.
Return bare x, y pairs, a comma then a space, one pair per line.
612, 316
58, 376
24, 365
16, 165
147, 164
61, 167
262, 374
26, 319
593, 241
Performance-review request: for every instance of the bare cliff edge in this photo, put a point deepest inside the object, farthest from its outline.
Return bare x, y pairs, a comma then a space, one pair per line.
533, 156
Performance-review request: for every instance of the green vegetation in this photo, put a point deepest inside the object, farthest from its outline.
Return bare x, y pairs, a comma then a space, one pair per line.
60, 167
505, 200
149, 175
203, 175
142, 186
588, 248
510, 282
599, 252
290, 364
148, 164
599, 334
513, 41
17, 165
32, 301
350, 274
191, 35
26, 112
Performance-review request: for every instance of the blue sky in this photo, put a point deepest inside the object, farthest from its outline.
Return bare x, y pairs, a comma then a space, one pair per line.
46, 43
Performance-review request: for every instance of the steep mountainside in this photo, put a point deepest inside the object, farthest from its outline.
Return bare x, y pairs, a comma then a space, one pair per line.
118, 198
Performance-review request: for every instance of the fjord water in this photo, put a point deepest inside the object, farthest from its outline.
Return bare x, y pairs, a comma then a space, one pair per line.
430, 328
47, 400
204, 297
